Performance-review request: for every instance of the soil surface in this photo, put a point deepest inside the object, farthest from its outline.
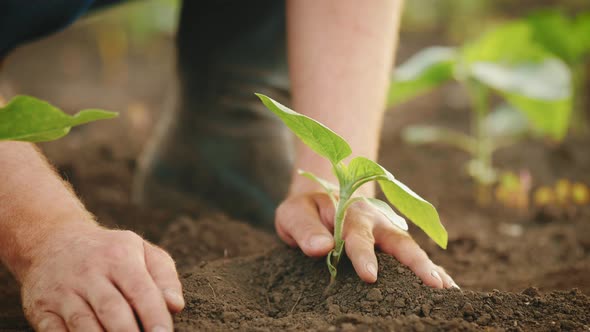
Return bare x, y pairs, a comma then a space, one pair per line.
518, 271
284, 290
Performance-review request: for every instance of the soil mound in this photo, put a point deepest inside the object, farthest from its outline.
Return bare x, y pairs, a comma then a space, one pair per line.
284, 290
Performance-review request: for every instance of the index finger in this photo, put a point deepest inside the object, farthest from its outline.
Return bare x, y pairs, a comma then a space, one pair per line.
163, 270
140, 290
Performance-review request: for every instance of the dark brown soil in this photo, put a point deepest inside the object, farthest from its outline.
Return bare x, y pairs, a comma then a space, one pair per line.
286, 290
495, 254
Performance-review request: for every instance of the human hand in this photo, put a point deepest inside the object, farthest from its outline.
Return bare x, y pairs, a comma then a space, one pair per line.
88, 278
307, 221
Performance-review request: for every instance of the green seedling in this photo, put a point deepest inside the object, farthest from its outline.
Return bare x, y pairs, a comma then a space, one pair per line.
32, 120
534, 83
353, 175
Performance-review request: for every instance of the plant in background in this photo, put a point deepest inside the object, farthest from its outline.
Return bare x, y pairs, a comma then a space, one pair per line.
534, 83
513, 190
32, 120
351, 176
569, 39
563, 198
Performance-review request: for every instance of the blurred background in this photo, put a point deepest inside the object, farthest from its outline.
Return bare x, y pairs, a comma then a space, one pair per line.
121, 58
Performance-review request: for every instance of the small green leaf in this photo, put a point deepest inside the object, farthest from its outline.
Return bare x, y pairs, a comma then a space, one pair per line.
361, 168
415, 208
331, 266
32, 120
421, 73
388, 212
318, 137
327, 185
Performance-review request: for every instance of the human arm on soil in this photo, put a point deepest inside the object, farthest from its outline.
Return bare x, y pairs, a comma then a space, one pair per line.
76, 275
340, 56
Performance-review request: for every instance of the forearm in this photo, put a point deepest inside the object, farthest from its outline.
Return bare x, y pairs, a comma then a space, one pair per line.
340, 57
34, 201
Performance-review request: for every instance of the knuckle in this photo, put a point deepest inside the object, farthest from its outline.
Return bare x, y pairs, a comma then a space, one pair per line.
130, 235
283, 210
109, 307
419, 257
115, 253
361, 236
79, 318
309, 228
140, 290
39, 304
34, 307
163, 255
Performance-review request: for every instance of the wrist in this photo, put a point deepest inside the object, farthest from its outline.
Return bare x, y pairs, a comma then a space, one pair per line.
28, 246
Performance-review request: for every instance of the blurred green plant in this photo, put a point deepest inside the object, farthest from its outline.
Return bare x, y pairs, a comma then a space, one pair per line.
568, 38
507, 61
29, 119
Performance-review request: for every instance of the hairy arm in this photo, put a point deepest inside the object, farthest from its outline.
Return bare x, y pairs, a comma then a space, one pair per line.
34, 202
76, 275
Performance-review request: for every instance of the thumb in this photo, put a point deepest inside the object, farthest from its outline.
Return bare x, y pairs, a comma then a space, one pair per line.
299, 221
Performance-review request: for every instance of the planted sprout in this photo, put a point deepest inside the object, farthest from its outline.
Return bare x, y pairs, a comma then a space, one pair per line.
534, 83
29, 119
353, 175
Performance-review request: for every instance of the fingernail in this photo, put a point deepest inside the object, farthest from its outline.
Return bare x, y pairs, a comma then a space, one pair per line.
160, 328
454, 285
372, 269
320, 241
174, 297
436, 275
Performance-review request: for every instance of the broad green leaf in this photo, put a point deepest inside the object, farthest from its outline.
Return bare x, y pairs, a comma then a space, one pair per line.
421, 73
327, 185
318, 137
507, 44
361, 168
29, 119
568, 38
388, 212
541, 90
549, 118
549, 79
415, 208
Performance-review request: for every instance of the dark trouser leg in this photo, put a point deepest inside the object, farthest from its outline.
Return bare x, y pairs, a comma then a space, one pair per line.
221, 146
